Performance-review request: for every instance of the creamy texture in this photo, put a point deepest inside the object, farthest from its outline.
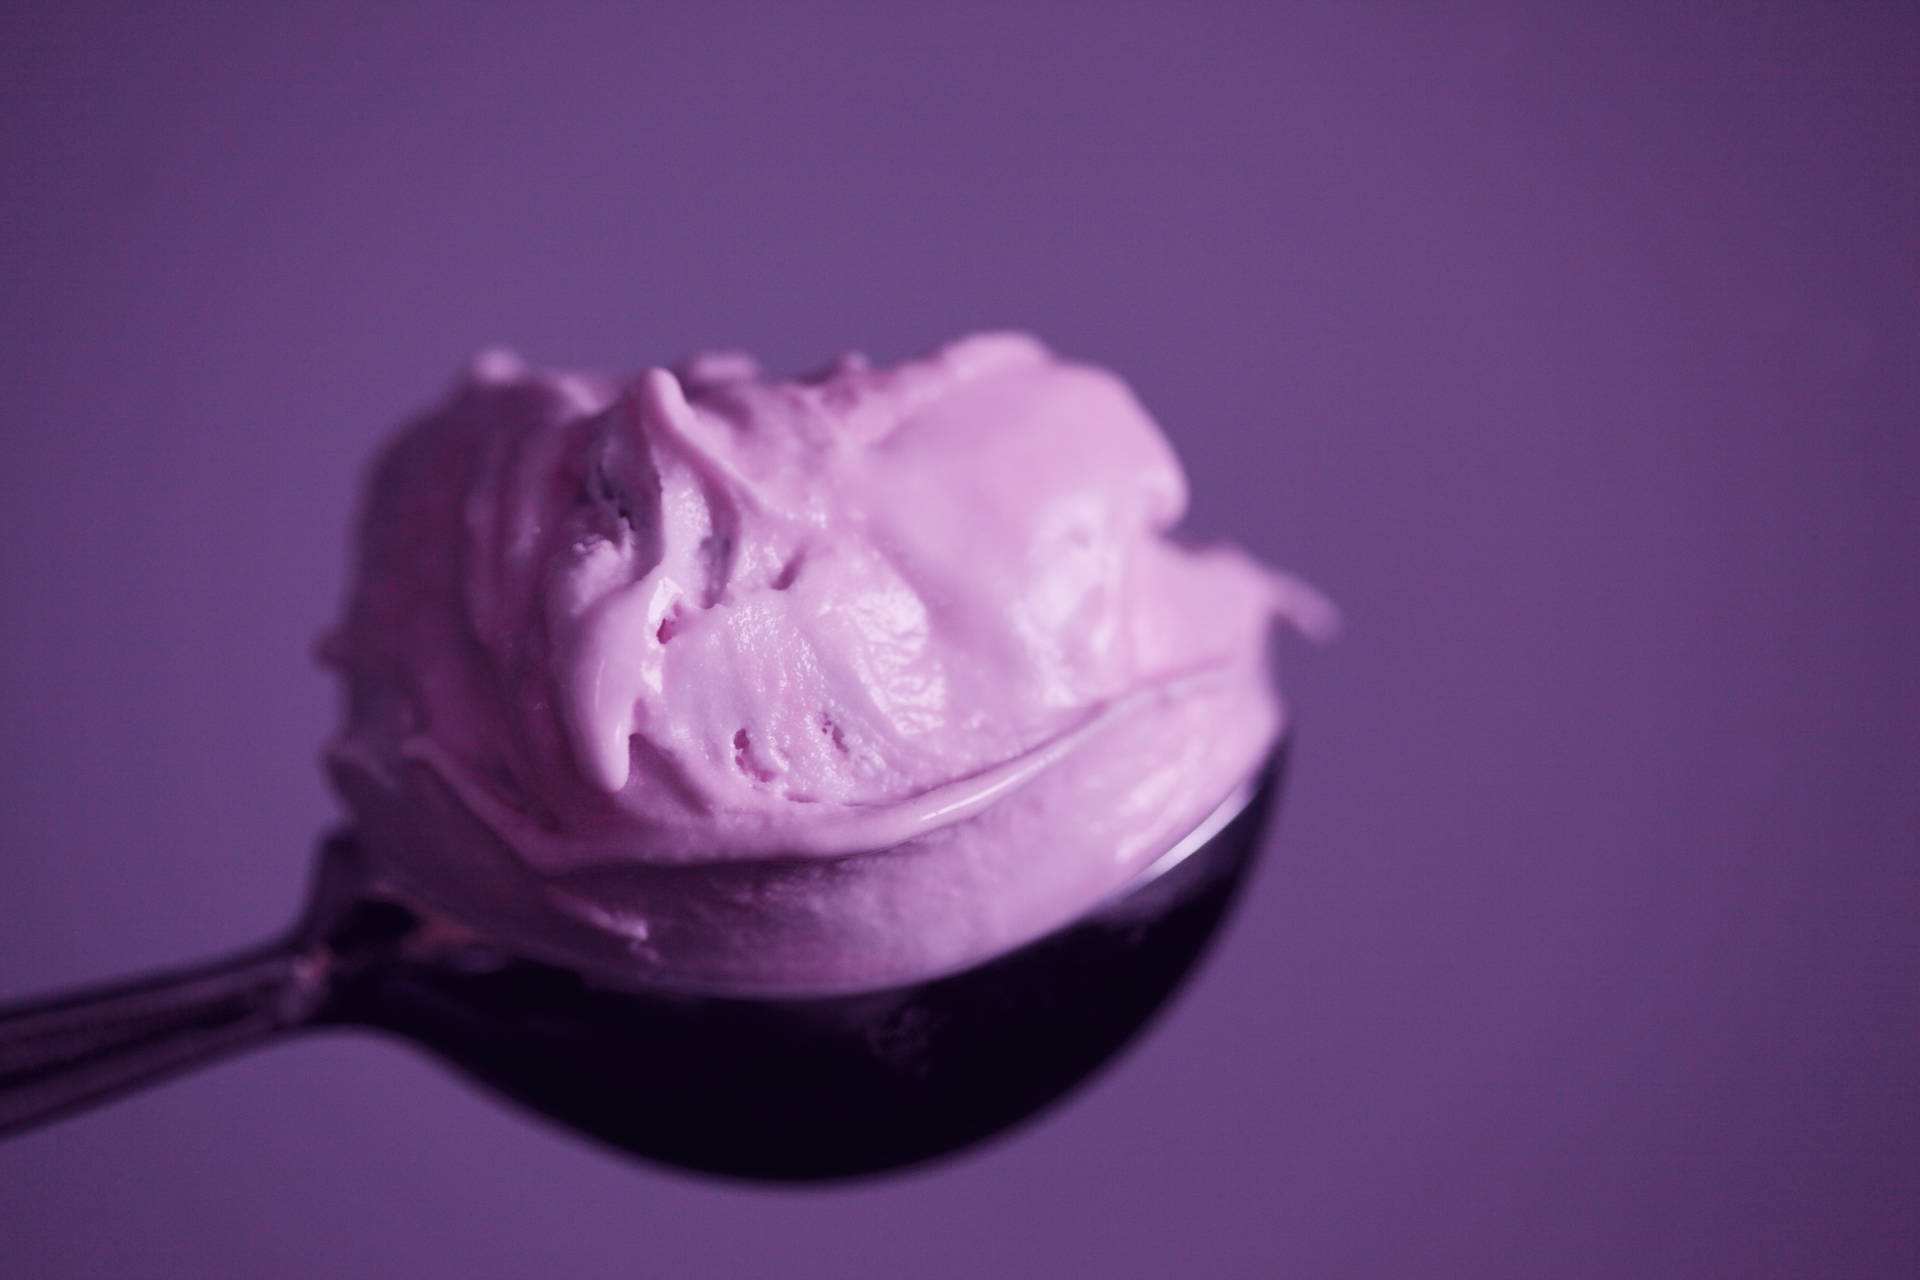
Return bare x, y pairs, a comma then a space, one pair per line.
792, 685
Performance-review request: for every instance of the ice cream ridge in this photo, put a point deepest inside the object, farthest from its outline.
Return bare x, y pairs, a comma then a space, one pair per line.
740, 683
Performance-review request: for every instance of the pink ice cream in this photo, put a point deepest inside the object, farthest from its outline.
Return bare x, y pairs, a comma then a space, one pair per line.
735, 682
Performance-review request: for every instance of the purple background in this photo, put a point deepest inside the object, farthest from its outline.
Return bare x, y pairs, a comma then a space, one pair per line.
1575, 355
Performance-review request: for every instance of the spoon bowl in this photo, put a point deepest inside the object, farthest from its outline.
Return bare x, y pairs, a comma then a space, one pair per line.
788, 1088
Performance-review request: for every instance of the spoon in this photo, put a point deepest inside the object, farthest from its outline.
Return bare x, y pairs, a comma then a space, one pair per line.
769, 1087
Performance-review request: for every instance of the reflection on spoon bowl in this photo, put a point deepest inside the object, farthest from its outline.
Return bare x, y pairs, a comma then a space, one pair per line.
772, 1087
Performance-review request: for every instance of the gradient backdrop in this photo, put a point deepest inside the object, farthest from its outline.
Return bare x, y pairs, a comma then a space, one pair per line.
1573, 349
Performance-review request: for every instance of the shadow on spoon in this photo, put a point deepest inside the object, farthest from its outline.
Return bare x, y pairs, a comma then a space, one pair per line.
769, 1087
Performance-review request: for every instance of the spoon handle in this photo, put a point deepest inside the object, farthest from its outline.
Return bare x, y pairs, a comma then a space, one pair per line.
63, 1053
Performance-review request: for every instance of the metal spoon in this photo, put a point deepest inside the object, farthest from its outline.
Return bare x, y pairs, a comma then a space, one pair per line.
788, 1088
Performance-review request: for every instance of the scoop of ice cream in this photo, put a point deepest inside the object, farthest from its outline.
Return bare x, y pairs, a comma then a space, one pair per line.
746, 682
